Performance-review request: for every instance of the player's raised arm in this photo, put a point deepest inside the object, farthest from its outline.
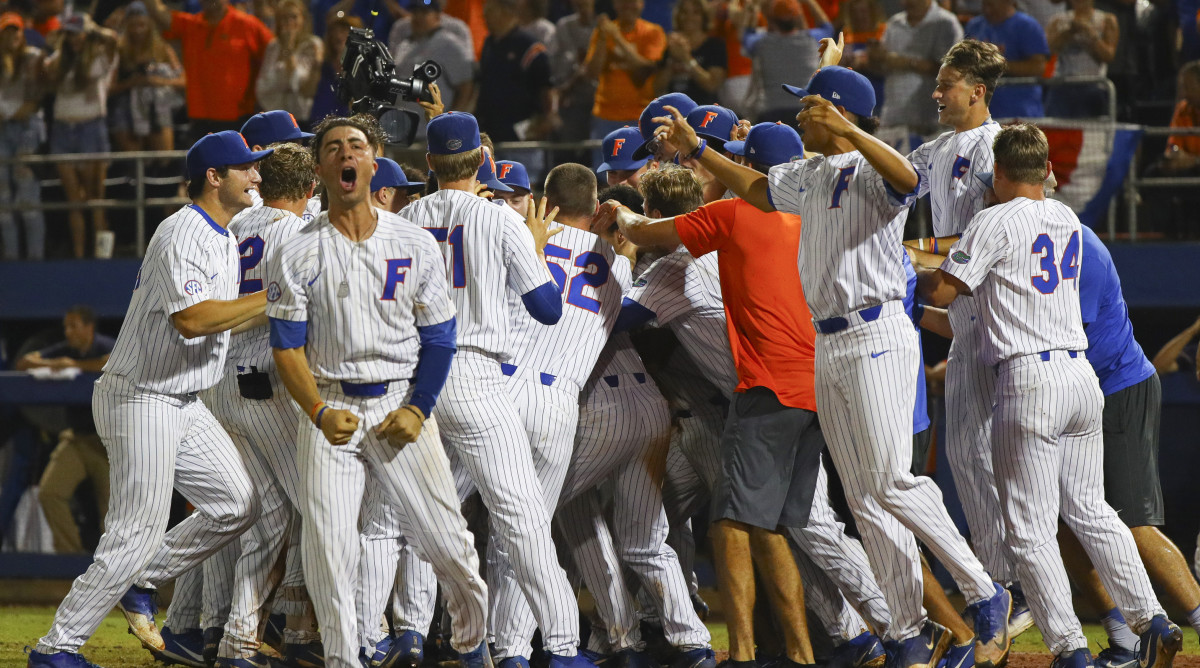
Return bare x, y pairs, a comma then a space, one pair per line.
639, 229
745, 182
891, 165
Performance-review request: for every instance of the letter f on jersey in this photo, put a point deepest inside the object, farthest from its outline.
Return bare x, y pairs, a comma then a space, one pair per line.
843, 184
960, 167
394, 275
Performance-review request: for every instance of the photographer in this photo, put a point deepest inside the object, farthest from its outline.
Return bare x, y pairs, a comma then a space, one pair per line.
429, 40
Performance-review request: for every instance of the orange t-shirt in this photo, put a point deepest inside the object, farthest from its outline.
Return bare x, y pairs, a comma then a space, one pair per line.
770, 329
1185, 117
617, 97
864, 37
738, 65
470, 12
221, 62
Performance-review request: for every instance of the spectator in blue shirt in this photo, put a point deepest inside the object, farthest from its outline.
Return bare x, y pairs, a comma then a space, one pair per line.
1023, 42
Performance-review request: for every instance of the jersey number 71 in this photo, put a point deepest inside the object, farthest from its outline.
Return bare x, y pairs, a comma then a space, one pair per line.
455, 237
595, 274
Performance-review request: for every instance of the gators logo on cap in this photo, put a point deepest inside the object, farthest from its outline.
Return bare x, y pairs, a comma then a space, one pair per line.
454, 144
960, 257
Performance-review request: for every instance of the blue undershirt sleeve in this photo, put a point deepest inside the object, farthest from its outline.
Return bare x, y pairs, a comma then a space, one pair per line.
632, 315
286, 334
433, 363
544, 303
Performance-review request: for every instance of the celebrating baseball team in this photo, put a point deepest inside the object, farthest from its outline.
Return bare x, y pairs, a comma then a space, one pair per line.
329, 379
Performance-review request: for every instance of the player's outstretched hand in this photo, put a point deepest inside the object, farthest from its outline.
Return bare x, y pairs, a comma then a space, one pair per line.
819, 111
481, 190
539, 223
402, 426
604, 223
674, 130
830, 52
740, 131
338, 425
435, 108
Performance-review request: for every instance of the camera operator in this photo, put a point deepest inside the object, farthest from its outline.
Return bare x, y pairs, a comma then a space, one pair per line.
428, 40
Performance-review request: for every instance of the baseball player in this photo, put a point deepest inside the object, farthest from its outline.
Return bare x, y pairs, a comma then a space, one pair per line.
488, 252
513, 175
390, 186
851, 198
157, 432
1021, 260
740, 234
358, 305
619, 165
273, 127
487, 175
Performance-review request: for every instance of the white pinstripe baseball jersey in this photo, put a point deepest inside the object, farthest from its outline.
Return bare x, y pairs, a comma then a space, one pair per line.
368, 297
592, 278
850, 249
947, 167
1021, 259
685, 294
189, 259
487, 249
312, 208
257, 229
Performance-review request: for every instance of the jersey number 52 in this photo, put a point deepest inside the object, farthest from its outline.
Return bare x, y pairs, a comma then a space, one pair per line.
1047, 281
595, 274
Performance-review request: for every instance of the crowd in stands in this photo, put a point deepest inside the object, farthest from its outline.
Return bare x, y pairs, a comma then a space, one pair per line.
141, 76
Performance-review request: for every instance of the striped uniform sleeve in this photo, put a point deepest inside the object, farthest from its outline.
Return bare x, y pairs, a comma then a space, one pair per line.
288, 278
622, 273
525, 270
432, 299
886, 199
783, 185
662, 288
922, 161
984, 245
185, 268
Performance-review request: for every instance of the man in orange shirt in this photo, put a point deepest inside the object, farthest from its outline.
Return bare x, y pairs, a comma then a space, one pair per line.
1183, 151
768, 483
222, 50
623, 56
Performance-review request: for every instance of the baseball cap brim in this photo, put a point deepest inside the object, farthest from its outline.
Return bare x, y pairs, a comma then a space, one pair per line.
643, 152
985, 178
736, 147
495, 184
412, 184
796, 90
713, 140
622, 165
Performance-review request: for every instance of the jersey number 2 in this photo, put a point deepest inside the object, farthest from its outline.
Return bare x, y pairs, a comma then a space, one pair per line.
594, 274
251, 250
1068, 268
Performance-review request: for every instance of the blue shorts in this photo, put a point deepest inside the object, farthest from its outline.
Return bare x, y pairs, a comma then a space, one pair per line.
20, 138
84, 137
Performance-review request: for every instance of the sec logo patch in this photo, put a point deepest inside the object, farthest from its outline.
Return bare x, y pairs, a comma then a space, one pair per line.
273, 292
193, 287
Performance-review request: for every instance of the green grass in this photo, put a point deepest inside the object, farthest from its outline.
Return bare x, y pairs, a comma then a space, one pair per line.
112, 646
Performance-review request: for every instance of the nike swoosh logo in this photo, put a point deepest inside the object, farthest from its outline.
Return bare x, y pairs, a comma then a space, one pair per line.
314, 280
873, 356
186, 653
961, 659
213, 277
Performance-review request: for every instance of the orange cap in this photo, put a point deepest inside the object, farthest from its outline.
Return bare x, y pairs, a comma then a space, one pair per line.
784, 10
11, 19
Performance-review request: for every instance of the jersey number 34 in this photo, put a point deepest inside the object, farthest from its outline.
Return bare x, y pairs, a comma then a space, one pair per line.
1068, 268
595, 274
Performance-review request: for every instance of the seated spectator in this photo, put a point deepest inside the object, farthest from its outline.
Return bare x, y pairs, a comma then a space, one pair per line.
622, 56
291, 66
429, 39
325, 99
568, 52
79, 72
909, 56
531, 16
79, 455
695, 63
20, 130
1183, 151
454, 26
1085, 41
1023, 43
784, 53
223, 48
148, 88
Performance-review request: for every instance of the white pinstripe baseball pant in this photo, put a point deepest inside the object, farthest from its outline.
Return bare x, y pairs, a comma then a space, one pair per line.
417, 479
970, 395
489, 451
391, 572
624, 433
184, 612
866, 388
693, 468
154, 440
1049, 461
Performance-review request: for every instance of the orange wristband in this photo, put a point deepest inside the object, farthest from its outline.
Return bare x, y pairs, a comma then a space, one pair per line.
312, 415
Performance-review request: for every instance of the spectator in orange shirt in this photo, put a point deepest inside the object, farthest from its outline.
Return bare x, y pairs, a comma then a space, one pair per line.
223, 49
732, 18
1183, 151
623, 56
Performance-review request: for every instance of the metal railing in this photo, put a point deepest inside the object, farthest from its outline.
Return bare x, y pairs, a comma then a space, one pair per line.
1052, 82
1134, 183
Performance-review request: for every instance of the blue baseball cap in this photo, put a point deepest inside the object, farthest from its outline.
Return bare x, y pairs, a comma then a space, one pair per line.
843, 87
712, 122
220, 149
389, 174
269, 127
655, 109
512, 174
618, 148
452, 132
769, 144
487, 173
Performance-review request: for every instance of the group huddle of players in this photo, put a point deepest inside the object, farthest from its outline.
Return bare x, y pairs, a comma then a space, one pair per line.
330, 380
